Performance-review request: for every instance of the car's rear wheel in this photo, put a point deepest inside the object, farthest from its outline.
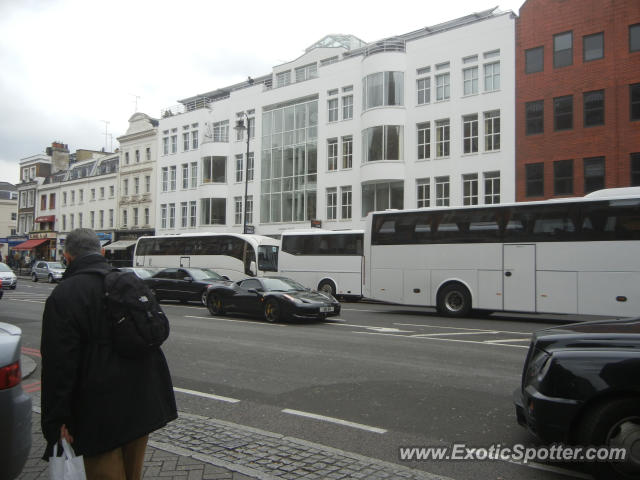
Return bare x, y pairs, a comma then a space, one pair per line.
34, 277
203, 298
272, 311
614, 424
454, 300
215, 305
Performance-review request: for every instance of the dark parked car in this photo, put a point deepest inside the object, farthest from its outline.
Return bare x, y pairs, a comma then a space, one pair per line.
581, 385
274, 298
183, 284
15, 406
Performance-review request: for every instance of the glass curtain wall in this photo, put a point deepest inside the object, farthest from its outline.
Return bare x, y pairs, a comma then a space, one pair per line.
289, 163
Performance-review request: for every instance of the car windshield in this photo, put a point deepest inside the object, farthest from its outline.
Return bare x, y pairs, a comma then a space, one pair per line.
281, 284
4, 268
204, 273
56, 265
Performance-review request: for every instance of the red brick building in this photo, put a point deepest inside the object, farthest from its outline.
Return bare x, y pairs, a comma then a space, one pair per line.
577, 97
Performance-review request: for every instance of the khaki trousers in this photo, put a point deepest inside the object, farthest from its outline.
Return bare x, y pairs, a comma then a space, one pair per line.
123, 463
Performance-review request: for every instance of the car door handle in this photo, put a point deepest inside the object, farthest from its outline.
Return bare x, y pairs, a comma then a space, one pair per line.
507, 274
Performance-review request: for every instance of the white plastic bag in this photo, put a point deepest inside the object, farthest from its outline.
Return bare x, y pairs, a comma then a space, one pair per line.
68, 466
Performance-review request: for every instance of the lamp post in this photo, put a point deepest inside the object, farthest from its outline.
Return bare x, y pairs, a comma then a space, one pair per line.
240, 127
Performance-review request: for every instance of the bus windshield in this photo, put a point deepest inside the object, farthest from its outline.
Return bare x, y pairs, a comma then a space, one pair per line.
268, 258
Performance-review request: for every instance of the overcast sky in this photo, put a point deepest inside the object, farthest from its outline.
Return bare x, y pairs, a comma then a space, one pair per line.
67, 65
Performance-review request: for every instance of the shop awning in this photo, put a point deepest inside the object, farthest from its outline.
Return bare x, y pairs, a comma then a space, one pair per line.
46, 218
120, 245
30, 244
104, 242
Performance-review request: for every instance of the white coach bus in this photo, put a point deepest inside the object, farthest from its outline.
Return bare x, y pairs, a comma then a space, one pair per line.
326, 260
572, 256
230, 254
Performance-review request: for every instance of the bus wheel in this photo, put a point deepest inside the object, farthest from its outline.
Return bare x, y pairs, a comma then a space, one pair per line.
327, 286
272, 311
454, 300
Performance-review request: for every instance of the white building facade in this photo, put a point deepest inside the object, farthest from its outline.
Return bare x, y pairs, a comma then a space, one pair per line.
420, 120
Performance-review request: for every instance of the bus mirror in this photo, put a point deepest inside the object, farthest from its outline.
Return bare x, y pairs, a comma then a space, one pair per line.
252, 269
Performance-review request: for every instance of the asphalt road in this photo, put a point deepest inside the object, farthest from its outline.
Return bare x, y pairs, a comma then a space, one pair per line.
375, 379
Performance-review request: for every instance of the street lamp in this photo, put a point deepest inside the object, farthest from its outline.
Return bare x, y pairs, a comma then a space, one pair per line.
240, 127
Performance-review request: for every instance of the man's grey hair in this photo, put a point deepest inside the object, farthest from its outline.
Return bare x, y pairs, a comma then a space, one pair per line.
81, 242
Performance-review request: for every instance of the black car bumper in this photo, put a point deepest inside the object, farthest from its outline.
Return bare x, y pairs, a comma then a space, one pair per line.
547, 418
313, 311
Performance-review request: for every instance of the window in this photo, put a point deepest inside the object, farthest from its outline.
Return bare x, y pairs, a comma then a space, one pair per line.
382, 143
332, 109
64, 199
192, 214
442, 191
383, 89
423, 192
593, 47
43, 202
423, 86
214, 211
146, 216
347, 107
64, 223
424, 140
72, 221
443, 89
563, 50
194, 174
593, 174
112, 191
111, 217
635, 169
185, 176
73, 197
135, 217
306, 72
93, 194
492, 130
332, 154
634, 100
534, 60
470, 189
593, 108
470, 133
470, 80
563, 113
214, 169
81, 196
101, 217
185, 141
347, 151
239, 168
174, 144
491, 187
221, 131
442, 138
165, 179
563, 177
125, 186
249, 209
172, 178
250, 167
136, 185
165, 145
126, 158
237, 201
148, 154
163, 216
52, 199
634, 38
332, 203
194, 139
380, 196
534, 117
492, 77
147, 183
534, 173
101, 194
124, 218
251, 125
283, 78
347, 202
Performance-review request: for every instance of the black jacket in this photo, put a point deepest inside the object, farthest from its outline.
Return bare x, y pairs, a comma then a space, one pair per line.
105, 400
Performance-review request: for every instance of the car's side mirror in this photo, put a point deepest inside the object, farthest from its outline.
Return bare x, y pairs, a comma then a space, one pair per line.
224, 277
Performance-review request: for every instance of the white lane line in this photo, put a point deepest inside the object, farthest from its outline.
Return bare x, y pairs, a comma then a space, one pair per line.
362, 310
551, 468
488, 332
20, 300
508, 340
179, 305
206, 395
236, 321
334, 420
421, 337
460, 328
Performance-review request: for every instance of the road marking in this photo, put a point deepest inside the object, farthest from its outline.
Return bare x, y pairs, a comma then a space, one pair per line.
460, 328
31, 387
180, 305
551, 468
362, 310
31, 351
26, 301
337, 421
508, 340
421, 337
489, 332
206, 395
389, 330
237, 321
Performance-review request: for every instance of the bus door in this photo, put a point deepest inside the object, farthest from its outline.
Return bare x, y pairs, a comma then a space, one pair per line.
519, 277
185, 262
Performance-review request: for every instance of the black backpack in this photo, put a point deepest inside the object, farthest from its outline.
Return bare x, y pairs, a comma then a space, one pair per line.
138, 323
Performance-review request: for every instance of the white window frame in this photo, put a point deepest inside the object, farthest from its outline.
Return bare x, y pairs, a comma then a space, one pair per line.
443, 87
423, 89
347, 151
491, 187
470, 189
346, 202
470, 80
332, 110
332, 154
423, 192
332, 203
443, 191
492, 76
492, 131
443, 138
468, 144
347, 107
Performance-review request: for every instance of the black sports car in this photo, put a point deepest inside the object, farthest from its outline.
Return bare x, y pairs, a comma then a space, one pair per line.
183, 284
274, 298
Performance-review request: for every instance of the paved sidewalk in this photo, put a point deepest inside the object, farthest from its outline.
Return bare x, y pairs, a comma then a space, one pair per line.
195, 447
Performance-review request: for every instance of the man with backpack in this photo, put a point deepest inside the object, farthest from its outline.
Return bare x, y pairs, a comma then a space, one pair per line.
105, 381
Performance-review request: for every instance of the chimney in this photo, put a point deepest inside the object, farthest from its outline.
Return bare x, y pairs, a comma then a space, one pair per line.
59, 156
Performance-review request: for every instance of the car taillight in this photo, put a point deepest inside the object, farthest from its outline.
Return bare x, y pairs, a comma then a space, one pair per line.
10, 376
